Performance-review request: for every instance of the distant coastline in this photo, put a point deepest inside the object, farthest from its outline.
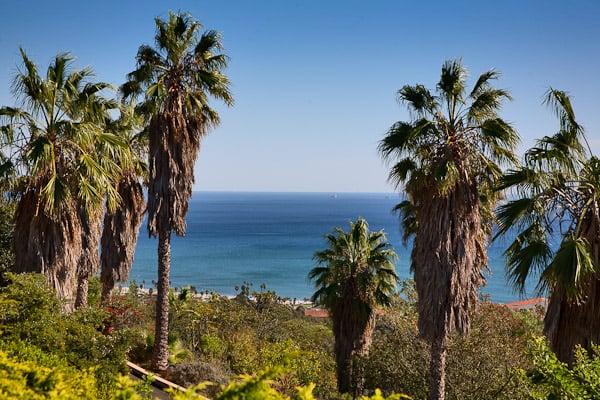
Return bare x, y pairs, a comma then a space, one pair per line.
270, 237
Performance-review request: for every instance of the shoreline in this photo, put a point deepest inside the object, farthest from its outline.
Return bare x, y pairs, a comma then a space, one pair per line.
525, 304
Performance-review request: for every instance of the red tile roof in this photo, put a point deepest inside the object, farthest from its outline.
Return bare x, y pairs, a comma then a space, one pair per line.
316, 313
528, 304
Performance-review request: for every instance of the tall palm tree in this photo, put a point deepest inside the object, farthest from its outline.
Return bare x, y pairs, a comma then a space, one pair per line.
353, 276
56, 135
448, 157
557, 193
121, 226
176, 78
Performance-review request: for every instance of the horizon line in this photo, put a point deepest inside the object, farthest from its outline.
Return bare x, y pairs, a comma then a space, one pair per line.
289, 191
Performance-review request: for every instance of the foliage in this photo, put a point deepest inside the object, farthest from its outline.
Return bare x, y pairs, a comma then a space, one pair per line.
7, 256
241, 336
480, 366
260, 387
30, 312
42, 377
552, 379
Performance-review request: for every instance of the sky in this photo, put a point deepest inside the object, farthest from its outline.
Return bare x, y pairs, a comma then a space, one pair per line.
315, 81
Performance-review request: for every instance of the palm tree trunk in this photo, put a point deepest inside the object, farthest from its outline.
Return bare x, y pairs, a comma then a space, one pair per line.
437, 369
82, 291
568, 323
107, 287
89, 262
343, 357
161, 334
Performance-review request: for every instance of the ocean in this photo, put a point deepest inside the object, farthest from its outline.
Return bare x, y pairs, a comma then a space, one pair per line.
269, 239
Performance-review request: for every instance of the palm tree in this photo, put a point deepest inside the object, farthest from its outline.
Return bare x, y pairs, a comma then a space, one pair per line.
121, 226
353, 276
55, 137
557, 193
448, 157
176, 78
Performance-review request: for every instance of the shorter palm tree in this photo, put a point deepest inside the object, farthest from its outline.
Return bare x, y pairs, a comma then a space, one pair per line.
353, 276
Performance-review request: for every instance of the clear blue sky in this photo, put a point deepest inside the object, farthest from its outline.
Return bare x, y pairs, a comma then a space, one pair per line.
315, 81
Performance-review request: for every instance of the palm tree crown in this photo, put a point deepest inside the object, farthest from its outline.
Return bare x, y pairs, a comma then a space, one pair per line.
557, 191
58, 133
358, 261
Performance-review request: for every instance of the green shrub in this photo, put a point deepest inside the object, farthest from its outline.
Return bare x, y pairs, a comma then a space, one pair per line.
482, 365
30, 312
30, 374
7, 256
550, 379
262, 387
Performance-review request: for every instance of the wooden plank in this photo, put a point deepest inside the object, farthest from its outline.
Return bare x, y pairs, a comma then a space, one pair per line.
157, 381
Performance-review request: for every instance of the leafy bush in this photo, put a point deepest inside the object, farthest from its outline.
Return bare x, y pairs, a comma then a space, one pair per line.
482, 365
261, 387
38, 376
30, 312
244, 336
7, 256
551, 379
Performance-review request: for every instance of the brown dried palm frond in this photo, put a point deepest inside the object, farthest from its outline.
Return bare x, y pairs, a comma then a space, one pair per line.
174, 143
448, 257
48, 244
119, 235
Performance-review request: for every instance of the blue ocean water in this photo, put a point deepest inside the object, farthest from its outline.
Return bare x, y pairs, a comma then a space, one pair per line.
270, 238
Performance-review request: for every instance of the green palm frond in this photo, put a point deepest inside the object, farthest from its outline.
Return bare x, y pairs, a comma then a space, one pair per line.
408, 219
483, 82
453, 80
556, 191
356, 258
571, 266
418, 98
179, 50
527, 256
